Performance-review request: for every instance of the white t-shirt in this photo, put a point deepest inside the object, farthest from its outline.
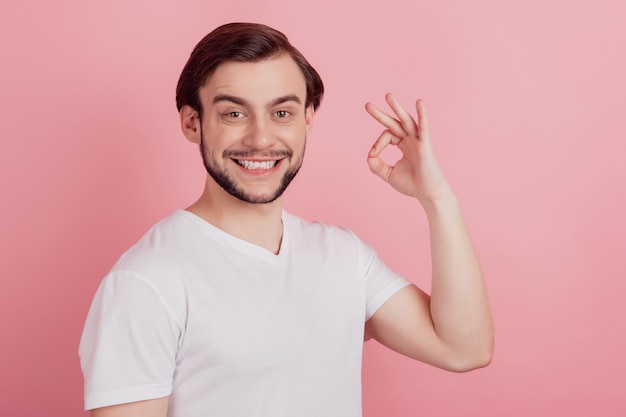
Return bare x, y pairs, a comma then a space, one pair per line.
226, 328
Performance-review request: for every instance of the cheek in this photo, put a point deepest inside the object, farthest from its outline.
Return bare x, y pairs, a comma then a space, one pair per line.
220, 136
295, 135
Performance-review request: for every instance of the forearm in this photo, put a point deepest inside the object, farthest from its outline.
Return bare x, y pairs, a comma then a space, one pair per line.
459, 305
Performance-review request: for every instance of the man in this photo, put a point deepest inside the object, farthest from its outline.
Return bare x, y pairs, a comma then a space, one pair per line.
234, 307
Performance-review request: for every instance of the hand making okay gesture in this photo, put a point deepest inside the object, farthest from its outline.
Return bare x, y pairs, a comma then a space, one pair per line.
417, 173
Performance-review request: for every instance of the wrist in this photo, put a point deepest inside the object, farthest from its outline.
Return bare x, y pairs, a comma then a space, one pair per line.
441, 203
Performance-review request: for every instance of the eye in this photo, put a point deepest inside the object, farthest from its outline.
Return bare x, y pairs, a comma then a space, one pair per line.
234, 114
281, 114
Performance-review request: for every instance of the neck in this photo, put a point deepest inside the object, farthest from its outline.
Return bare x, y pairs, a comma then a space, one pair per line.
259, 224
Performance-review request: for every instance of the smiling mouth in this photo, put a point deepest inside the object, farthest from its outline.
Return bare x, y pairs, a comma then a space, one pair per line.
247, 164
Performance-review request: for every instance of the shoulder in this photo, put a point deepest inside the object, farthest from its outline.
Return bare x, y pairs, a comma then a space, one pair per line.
299, 226
153, 270
325, 237
165, 234
161, 245
162, 257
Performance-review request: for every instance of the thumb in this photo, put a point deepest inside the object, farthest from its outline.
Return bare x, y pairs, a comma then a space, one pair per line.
379, 167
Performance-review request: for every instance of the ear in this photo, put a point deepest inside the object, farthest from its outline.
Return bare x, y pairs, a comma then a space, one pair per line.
309, 115
190, 124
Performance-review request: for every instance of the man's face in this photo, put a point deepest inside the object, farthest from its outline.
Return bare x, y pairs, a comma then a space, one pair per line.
254, 127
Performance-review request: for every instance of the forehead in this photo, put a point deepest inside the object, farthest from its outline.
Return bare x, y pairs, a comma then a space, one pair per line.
256, 82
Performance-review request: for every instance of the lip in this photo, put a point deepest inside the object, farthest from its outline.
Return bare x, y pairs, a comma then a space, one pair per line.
257, 159
258, 172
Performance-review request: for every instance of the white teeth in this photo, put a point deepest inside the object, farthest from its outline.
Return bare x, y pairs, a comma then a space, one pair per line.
256, 164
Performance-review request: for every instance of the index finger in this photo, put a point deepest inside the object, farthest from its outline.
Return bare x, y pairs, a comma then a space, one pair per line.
408, 123
393, 125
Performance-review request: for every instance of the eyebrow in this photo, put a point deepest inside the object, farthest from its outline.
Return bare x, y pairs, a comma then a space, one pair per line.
285, 99
232, 99
241, 102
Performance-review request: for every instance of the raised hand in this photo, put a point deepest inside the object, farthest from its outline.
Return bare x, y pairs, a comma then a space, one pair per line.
452, 328
417, 173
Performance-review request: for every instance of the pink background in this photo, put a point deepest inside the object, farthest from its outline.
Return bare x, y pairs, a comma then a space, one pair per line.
526, 101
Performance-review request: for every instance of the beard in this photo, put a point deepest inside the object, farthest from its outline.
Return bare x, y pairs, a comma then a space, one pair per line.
224, 180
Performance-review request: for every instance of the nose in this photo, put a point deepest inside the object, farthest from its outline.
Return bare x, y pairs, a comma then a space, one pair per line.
259, 134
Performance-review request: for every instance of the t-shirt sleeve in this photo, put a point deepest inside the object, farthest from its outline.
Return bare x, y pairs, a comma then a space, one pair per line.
381, 281
129, 343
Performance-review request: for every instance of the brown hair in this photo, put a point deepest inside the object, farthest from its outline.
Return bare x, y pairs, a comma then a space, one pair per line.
243, 42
